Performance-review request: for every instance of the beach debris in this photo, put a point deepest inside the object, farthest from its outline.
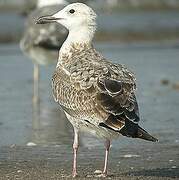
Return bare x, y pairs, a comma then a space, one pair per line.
165, 82
97, 171
131, 155
19, 171
31, 144
175, 86
12, 145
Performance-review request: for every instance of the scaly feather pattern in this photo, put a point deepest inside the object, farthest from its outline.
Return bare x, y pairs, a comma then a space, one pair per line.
95, 89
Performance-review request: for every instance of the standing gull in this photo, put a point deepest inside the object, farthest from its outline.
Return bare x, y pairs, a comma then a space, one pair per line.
96, 95
41, 43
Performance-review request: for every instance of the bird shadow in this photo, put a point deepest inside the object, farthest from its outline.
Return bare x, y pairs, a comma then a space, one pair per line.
159, 172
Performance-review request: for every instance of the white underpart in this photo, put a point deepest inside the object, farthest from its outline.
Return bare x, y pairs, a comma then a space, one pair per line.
43, 3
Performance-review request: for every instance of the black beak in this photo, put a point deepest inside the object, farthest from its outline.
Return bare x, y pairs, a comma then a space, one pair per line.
46, 19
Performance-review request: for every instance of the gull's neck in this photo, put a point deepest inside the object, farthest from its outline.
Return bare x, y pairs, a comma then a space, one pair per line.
82, 36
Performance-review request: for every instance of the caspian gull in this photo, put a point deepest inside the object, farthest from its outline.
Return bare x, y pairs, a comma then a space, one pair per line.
42, 43
96, 95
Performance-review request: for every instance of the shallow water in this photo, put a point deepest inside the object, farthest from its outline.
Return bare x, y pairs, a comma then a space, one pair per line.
158, 103
139, 21
119, 22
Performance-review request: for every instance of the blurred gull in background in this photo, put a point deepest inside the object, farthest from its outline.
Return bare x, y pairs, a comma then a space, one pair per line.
43, 3
41, 43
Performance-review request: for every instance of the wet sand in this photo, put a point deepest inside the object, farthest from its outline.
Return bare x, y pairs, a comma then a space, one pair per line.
145, 162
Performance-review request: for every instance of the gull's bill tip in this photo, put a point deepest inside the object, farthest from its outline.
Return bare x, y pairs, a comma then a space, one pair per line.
46, 19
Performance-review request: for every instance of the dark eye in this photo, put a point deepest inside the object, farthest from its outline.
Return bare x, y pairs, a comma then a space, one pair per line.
72, 11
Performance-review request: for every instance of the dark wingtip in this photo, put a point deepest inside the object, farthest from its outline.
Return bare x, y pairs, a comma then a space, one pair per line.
142, 134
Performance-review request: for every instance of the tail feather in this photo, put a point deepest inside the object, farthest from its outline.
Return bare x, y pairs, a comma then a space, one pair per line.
129, 128
135, 131
142, 134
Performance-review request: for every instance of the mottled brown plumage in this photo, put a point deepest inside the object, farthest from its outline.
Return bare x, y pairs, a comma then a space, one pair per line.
94, 90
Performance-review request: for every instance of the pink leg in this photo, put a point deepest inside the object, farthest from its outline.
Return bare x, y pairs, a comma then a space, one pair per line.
107, 146
75, 149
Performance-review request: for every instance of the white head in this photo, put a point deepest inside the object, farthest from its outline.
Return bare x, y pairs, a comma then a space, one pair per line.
44, 3
78, 18
76, 15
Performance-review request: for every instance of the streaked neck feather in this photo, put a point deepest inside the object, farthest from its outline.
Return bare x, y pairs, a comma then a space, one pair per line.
81, 36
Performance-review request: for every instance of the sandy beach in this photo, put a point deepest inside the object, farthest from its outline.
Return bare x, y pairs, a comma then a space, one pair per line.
146, 162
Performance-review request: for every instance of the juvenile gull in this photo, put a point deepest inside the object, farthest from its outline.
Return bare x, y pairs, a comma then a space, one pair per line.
42, 43
97, 96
